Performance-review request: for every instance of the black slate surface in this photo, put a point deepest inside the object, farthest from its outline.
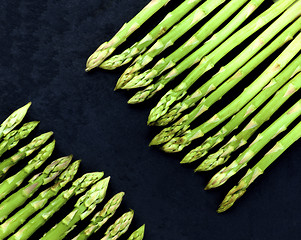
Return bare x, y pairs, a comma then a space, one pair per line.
44, 47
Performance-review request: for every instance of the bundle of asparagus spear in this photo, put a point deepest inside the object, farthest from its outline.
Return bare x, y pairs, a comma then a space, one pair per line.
27, 204
268, 42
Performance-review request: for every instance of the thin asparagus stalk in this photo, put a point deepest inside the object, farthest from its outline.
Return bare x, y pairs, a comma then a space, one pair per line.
223, 154
268, 110
11, 224
178, 143
146, 77
20, 197
107, 48
192, 59
100, 218
11, 183
23, 152
138, 234
13, 138
237, 191
210, 60
13, 120
280, 125
140, 47
226, 71
167, 40
120, 226
78, 186
82, 209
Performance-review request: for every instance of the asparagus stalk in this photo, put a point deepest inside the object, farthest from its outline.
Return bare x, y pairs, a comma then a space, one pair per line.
140, 47
78, 186
13, 120
138, 234
120, 226
11, 183
11, 224
178, 143
210, 60
83, 208
193, 58
280, 125
268, 110
241, 139
167, 40
23, 152
237, 191
13, 138
100, 218
107, 48
225, 72
19, 198
146, 77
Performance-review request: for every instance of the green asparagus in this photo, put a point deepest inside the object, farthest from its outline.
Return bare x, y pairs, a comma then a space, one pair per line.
237, 191
83, 208
11, 224
138, 234
107, 48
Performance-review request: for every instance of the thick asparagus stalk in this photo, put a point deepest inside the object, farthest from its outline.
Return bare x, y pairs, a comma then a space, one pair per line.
100, 218
178, 143
11, 183
11, 224
265, 113
146, 77
83, 208
13, 138
19, 198
261, 140
107, 48
167, 40
237, 191
210, 60
23, 152
140, 47
226, 71
13, 120
78, 186
120, 226
224, 153
138, 234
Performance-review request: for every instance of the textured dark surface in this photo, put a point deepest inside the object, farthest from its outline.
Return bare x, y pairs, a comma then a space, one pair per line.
44, 47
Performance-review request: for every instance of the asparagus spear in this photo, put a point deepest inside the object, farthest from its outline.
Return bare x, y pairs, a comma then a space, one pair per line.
141, 46
100, 218
78, 186
11, 224
193, 58
210, 60
241, 139
168, 39
120, 226
13, 120
11, 183
268, 110
23, 152
13, 138
138, 234
237, 191
18, 198
192, 43
107, 48
83, 208
213, 83
261, 140
178, 143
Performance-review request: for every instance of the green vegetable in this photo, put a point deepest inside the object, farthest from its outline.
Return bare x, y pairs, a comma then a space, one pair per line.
138, 234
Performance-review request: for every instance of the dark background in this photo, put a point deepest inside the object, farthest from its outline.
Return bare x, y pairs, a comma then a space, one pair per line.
44, 47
